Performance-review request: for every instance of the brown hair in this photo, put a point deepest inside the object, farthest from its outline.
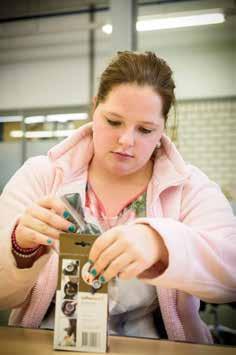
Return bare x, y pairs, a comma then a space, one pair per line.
141, 69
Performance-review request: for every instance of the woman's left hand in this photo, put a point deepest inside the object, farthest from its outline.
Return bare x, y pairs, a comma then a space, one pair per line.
126, 251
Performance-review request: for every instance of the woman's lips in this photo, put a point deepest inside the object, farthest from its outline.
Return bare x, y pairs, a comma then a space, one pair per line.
122, 155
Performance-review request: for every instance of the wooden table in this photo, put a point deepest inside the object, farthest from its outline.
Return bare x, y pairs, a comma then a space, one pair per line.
17, 341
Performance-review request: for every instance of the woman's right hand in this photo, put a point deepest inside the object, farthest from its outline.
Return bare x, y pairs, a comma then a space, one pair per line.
42, 223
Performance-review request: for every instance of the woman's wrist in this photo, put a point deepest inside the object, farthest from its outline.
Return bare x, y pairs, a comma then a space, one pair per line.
162, 257
19, 250
25, 257
162, 252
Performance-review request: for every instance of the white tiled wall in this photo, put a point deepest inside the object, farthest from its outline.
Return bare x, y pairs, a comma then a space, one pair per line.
206, 137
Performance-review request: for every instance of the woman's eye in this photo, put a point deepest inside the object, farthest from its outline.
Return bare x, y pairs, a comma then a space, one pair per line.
113, 123
145, 130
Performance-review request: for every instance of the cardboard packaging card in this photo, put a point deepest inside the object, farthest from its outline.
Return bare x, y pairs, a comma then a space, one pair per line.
81, 305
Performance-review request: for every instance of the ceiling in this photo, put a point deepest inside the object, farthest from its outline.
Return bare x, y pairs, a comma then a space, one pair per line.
11, 10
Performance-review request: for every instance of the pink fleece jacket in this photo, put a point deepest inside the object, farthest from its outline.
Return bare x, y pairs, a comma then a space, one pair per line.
186, 208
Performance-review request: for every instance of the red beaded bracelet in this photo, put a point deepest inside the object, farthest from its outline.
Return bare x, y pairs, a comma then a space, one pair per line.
18, 249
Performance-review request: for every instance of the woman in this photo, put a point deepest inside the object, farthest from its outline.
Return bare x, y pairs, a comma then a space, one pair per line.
169, 234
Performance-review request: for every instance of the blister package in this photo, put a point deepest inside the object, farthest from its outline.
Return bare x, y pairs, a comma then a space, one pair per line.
81, 304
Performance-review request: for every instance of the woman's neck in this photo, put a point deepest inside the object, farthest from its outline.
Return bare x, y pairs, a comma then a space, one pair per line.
139, 178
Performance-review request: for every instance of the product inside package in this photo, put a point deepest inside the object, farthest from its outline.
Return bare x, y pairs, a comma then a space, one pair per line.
81, 305
81, 313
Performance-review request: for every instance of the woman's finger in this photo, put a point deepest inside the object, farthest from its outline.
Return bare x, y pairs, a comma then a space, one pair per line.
116, 267
30, 238
50, 218
109, 254
101, 243
131, 271
39, 226
51, 202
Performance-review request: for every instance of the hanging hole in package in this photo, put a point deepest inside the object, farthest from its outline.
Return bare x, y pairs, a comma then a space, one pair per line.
81, 305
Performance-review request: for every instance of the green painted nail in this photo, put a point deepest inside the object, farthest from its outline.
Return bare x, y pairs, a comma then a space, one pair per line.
72, 228
93, 272
49, 241
102, 279
90, 261
66, 214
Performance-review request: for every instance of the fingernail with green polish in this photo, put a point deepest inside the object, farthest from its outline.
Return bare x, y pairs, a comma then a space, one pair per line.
49, 241
72, 228
90, 261
66, 214
93, 272
102, 279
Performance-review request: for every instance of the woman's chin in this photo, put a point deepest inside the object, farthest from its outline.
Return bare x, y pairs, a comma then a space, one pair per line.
121, 171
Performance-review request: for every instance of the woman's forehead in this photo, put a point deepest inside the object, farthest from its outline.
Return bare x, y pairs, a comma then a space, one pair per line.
129, 100
131, 90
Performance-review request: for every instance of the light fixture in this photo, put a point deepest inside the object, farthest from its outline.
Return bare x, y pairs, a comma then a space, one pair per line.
34, 119
174, 22
57, 118
107, 28
42, 134
10, 118
181, 21
67, 117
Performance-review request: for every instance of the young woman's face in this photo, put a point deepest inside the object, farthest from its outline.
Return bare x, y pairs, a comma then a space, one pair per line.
126, 128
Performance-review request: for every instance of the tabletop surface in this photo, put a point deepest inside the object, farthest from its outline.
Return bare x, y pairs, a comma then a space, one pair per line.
14, 341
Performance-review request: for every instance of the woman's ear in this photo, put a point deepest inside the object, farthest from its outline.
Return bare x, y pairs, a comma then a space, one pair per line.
94, 101
92, 107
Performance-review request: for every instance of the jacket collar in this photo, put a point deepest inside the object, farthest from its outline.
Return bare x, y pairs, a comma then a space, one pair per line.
74, 153
170, 168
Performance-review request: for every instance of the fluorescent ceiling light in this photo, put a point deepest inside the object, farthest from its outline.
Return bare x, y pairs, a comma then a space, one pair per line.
11, 118
49, 118
42, 134
182, 21
34, 119
107, 29
174, 22
57, 118
67, 117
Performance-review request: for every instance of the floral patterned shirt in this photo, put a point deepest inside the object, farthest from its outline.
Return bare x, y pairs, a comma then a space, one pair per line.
133, 209
131, 302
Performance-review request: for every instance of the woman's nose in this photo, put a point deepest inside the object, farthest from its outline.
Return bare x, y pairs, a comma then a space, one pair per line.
127, 138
